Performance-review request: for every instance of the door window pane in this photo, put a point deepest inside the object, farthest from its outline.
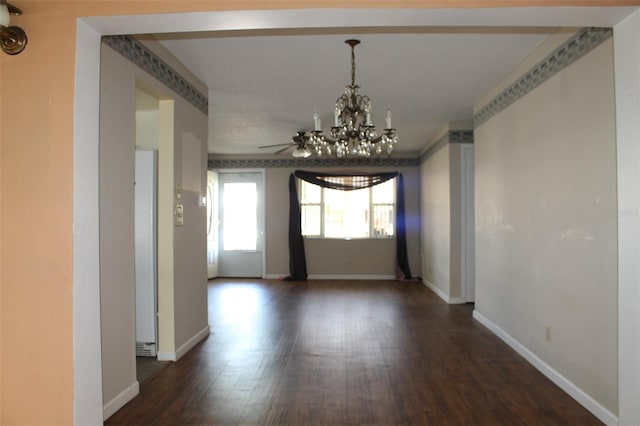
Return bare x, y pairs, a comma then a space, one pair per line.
239, 224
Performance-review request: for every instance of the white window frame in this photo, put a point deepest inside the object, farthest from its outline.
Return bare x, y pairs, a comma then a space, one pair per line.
371, 235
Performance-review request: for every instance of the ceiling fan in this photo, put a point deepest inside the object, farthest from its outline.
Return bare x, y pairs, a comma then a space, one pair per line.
298, 142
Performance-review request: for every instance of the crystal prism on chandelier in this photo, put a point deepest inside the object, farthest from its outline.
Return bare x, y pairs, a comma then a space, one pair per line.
353, 134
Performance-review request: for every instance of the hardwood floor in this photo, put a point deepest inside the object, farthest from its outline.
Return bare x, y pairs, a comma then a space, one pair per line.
346, 353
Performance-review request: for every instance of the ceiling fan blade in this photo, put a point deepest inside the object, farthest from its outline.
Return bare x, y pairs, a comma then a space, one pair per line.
272, 146
280, 151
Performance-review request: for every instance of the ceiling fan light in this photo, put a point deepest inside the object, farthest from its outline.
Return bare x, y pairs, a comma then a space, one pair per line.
300, 152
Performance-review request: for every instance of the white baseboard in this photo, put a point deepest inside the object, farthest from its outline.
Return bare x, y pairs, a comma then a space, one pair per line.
352, 277
120, 400
444, 296
166, 356
174, 356
336, 277
574, 391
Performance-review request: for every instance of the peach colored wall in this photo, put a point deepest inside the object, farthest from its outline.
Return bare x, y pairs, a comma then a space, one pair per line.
36, 165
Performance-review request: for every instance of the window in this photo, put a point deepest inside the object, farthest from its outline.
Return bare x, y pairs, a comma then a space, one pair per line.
362, 213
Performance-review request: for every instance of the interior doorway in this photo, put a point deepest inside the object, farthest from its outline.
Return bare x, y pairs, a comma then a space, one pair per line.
147, 189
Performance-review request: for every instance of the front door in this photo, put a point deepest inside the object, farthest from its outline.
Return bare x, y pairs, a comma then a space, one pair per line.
241, 212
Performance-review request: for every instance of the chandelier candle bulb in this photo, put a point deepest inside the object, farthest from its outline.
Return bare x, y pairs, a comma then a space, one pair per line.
5, 19
388, 119
336, 118
316, 122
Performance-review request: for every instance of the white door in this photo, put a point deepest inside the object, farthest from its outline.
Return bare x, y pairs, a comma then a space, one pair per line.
212, 224
241, 216
468, 228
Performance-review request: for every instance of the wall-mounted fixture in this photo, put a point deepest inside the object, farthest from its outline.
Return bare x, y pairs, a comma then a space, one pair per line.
12, 39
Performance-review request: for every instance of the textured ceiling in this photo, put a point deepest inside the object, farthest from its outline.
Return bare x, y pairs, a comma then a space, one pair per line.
268, 71
264, 88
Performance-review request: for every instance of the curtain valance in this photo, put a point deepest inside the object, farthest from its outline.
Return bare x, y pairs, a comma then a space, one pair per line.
344, 182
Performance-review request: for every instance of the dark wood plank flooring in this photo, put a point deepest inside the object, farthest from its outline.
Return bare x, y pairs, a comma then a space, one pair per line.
346, 353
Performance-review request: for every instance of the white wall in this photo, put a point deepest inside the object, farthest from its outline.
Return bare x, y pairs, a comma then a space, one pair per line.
457, 225
190, 244
436, 221
182, 158
627, 69
442, 216
117, 273
546, 243
338, 257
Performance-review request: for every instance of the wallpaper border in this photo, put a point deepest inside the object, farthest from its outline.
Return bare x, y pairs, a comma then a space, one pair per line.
310, 162
570, 51
142, 56
573, 49
453, 136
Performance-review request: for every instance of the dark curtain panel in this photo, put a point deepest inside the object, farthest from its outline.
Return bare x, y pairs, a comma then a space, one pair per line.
343, 182
297, 260
402, 259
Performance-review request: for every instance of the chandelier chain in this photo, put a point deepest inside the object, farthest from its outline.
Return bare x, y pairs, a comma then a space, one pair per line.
353, 65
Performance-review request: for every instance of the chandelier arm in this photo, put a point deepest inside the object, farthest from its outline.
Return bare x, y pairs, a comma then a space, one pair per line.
386, 132
377, 139
329, 140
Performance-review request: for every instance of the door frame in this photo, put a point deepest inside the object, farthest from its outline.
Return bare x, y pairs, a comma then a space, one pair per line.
468, 277
212, 210
262, 213
87, 402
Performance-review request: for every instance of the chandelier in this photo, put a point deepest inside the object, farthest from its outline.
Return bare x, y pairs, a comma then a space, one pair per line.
352, 134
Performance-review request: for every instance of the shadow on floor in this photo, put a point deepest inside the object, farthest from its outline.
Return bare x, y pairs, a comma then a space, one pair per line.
147, 367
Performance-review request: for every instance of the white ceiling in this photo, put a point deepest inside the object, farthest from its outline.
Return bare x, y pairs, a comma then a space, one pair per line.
267, 74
